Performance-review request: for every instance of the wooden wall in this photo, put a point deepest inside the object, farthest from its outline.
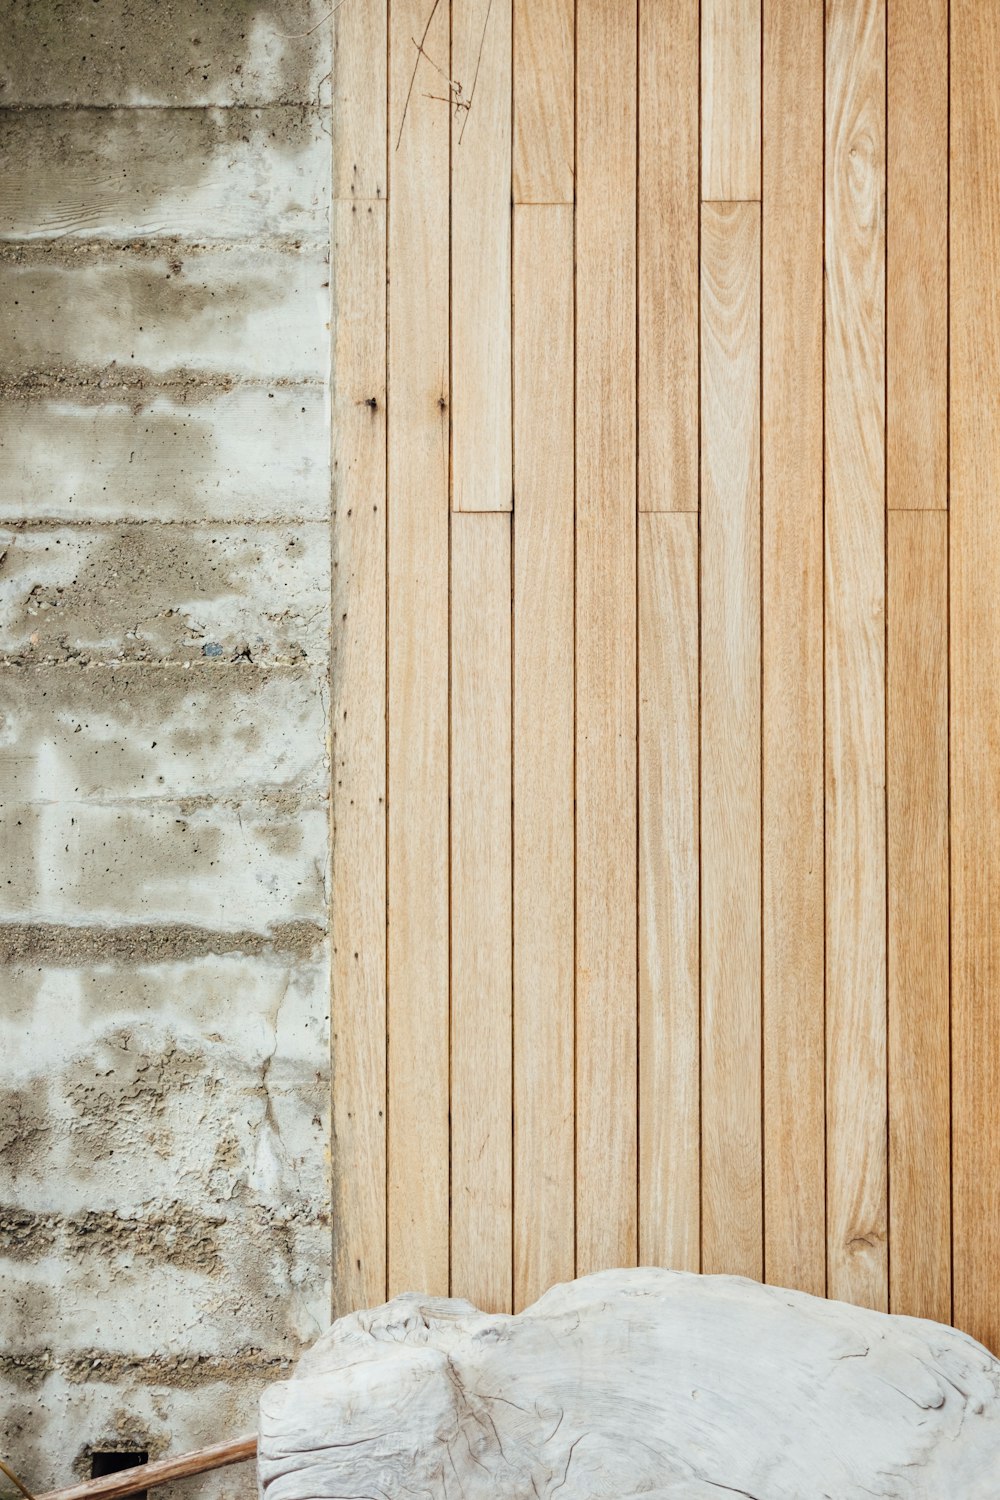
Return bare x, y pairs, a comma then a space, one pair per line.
665, 691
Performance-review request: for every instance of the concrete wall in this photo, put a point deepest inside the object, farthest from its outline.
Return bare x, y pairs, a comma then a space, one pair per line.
164, 604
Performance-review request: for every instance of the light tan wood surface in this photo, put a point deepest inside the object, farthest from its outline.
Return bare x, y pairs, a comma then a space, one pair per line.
917, 256
917, 832
732, 1165
669, 1062
668, 256
481, 476
792, 648
676, 287
544, 894
481, 1103
418, 644
857, 1207
606, 708
974, 649
730, 99
544, 117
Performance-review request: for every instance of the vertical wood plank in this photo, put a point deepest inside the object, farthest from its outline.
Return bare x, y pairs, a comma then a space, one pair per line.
730, 99
357, 895
975, 648
855, 652
606, 873
480, 254
543, 750
358, 697
917, 831
481, 932
917, 256
543, 101
668, 256
669, 1116
730, 740
418, 656
792, 642
360, 100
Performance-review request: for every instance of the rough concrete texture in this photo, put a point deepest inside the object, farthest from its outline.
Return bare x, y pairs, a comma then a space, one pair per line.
164, 649
164, 593
223, 173
226, 313
177, 52
194, 453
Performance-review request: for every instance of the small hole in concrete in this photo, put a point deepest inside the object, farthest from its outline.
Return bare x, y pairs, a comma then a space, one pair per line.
112, 1463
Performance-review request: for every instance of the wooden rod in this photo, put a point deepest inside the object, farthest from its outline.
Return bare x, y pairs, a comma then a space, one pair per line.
145, 1476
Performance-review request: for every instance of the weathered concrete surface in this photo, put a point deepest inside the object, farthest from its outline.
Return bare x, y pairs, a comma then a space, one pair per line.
119, 174
196, 861
164, 769
72, 734
177, 52
154, 309
163, 1200
185, 454
164, 593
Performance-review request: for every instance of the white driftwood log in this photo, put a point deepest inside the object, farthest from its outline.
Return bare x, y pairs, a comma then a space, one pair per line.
636, 1383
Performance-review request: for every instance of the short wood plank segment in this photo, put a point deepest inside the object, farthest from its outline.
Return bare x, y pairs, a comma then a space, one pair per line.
544, 106
481, 1102
357, 715
917, 256
792, 690
730, 98
418, 659
730, 740
975, 650
543, 750
480, 254
606, 854
669, 1113
917, 831
360, 98
668, 256
855, 652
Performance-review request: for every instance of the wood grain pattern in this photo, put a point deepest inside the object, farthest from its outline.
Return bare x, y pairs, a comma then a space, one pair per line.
917, 256
730, 99
357, 896
669, 1067
855, 652
544, 105
672, 280
481, 935
418, 1144
668, 256
975, 686
543, 750
730, 740
360, 96
480, 255
606, 793
792, 644
917, 833
358, 662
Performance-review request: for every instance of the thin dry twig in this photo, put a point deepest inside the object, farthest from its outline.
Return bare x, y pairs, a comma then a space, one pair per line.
475, 78
416, 65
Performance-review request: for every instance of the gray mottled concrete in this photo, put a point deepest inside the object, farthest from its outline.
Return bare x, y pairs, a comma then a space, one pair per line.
164, 771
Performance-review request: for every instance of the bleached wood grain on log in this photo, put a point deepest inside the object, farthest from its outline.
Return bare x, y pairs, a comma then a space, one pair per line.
643, 1382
